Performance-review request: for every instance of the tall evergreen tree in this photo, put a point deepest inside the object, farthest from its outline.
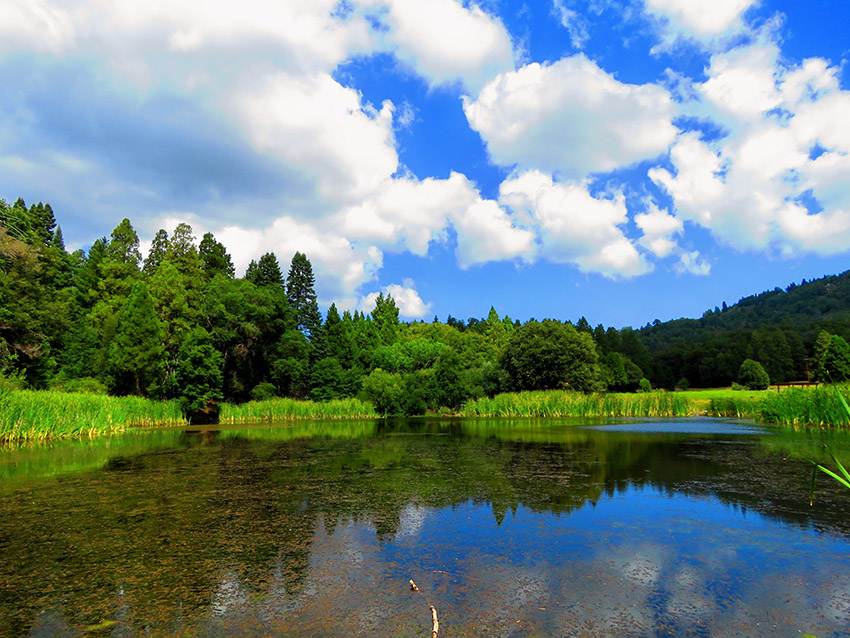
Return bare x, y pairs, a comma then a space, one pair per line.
301, 294
183, 253
135, 362
385, 316
265, 272
120, 265
159, 246
215, 258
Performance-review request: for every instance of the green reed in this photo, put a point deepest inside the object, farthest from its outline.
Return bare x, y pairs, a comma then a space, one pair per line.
282, 409
33, 415
822, 406
557, 403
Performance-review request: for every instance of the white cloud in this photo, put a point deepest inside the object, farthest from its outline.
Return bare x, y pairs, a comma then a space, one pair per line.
485, 232
690, 262
340, 265
570, 118
445, 41
407, 212
699, 19
316, 125
742, 83
34, 25
658, 228
406, 298
573, 226
573, 22
750, 187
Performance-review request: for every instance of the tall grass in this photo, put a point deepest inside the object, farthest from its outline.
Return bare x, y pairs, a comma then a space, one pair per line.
32, 415
821, 406
281, 409
556, 403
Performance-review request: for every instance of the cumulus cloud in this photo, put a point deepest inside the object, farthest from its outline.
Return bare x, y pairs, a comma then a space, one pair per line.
658, 228
573, 226
775, 180
485, 232
703, 20
406, 298
570, 118
408, 213
445, 41
320, 126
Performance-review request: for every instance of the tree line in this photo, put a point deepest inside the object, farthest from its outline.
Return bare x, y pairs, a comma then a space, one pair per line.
179, 324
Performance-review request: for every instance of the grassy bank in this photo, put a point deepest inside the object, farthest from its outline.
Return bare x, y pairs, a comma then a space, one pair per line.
819, 406
32, 415
555, 403
281, 409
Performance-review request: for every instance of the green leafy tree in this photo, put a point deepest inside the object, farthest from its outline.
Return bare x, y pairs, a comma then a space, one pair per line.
385, 390
290, 368
753, 376
136, 355
246, 323
834, 365
301, 294
549, 354
199, 376
328, 380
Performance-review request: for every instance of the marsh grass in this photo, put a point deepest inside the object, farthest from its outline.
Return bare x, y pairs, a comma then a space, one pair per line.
282, 409
822, 406
557, 403
34, 415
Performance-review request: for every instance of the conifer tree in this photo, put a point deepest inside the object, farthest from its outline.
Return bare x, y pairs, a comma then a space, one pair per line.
135, 361
215, 258
120, 264
265, 272
385, 316
301, 294
159, 246
183, 253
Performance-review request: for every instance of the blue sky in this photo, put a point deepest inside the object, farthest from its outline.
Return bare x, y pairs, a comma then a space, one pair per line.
626, 160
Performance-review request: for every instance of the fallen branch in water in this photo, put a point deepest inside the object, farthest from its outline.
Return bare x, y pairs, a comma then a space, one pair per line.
435, 624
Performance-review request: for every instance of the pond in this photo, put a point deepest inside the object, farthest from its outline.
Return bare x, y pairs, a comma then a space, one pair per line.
691, 527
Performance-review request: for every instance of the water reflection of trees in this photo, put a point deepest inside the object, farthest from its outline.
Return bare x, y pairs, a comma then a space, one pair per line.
151, 539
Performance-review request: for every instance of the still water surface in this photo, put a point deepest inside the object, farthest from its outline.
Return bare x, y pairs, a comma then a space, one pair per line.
510, 528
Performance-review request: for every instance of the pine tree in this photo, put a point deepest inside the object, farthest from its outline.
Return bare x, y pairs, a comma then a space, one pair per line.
265, 272
120, 265
385, 315
183, 253
301, 294
215, 258
135, 359
159, 246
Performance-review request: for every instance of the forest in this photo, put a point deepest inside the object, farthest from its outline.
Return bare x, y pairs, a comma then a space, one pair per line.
179, 324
